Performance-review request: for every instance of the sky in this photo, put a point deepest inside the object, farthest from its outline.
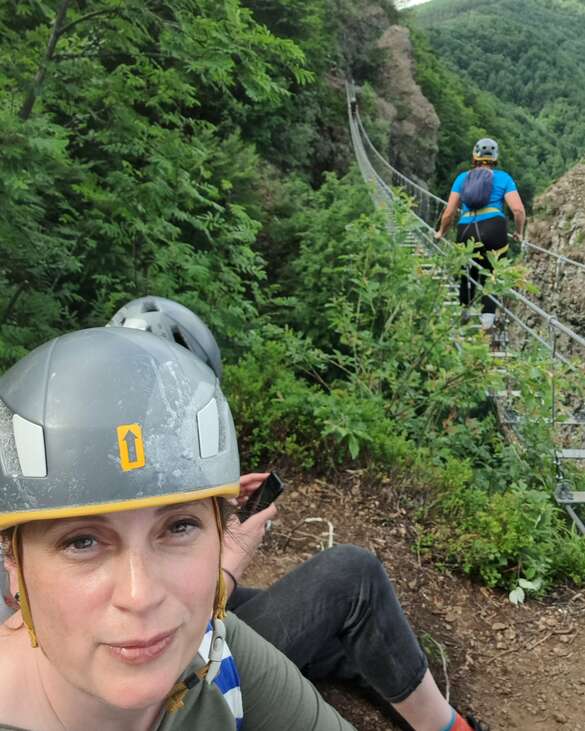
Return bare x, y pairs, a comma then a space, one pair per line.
408, 3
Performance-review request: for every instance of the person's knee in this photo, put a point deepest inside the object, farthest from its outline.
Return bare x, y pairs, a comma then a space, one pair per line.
356, 562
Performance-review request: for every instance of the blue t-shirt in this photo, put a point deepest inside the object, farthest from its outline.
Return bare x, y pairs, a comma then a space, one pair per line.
502, 184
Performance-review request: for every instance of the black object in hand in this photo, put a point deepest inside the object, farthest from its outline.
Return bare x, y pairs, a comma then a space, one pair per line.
266, 494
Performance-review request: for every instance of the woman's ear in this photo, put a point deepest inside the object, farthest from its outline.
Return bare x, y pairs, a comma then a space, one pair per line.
10, 566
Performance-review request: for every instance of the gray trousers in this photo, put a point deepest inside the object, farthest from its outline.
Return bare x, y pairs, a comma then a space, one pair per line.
337, 616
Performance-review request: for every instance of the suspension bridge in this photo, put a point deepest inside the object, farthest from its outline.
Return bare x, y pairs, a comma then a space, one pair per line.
522, 325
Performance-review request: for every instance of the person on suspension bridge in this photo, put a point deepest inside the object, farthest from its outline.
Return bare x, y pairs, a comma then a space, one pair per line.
323, 615
482, 194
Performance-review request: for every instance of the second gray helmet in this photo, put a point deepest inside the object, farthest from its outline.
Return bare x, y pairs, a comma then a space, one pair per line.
486, 149
174, 322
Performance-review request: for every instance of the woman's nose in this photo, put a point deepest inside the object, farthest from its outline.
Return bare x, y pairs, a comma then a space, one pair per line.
138, 585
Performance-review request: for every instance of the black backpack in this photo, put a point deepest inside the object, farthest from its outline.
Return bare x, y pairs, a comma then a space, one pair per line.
477, 188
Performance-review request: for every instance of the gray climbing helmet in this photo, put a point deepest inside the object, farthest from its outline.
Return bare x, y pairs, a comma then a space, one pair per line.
111, 419
171, 321
486, 150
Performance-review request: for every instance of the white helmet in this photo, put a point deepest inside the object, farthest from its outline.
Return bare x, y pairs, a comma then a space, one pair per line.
485, 150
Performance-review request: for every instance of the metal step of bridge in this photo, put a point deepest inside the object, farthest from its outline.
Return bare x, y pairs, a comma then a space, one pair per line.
566, 497
571, 453
503, 354
575, 420
508, 394
411, 240
512, 417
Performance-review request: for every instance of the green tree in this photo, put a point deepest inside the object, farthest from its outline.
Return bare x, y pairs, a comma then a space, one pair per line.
118, 174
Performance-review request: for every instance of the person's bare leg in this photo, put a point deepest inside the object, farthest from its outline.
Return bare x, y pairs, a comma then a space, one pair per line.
426, 709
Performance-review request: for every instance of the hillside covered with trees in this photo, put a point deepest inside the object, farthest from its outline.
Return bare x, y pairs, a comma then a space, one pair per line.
137, 138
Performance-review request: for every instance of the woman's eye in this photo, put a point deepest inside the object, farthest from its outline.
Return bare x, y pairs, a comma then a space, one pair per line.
81, 543
183, 527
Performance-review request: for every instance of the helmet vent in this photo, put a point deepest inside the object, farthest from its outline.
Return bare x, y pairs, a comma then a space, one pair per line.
150, 306
178, 337
8, 453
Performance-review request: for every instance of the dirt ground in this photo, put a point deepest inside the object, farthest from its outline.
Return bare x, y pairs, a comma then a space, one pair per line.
515, 667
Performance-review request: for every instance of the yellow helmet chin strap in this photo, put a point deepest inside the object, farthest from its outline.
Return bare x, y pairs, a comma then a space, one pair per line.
175, 699
221, 596
22, 591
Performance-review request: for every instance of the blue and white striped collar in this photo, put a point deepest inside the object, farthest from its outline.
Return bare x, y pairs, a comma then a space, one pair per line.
227, 679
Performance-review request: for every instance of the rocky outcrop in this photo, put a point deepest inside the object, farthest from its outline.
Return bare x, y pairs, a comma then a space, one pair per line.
380, 52
415, 128
414, 123
558, 224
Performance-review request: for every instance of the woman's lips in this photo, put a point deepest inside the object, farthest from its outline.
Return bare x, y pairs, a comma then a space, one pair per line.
135, 652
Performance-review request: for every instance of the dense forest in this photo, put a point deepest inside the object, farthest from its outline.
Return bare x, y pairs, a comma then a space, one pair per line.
198, 150
526, 58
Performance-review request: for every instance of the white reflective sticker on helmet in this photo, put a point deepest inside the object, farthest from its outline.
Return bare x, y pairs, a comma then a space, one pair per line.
208, 427
30, 447
136, 322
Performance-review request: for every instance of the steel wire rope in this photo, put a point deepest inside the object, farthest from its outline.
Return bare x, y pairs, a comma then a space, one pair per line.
561, 258
393, 170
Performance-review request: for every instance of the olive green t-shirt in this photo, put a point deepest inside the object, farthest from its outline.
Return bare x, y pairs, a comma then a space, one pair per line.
274, 693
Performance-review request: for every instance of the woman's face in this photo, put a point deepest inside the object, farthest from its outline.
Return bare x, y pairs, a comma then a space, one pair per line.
120, 602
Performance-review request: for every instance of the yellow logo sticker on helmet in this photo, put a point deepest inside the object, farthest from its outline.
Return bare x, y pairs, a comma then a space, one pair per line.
131, 446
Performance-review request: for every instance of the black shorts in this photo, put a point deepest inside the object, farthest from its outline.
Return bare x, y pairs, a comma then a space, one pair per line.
492, 232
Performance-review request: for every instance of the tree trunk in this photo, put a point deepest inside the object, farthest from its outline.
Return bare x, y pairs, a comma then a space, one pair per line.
31, 97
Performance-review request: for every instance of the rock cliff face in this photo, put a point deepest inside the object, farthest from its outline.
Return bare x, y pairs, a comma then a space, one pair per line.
558, 224
415, 125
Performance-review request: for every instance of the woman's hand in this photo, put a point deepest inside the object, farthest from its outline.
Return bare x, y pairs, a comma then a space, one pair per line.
248, 484
241, 540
